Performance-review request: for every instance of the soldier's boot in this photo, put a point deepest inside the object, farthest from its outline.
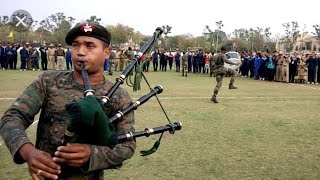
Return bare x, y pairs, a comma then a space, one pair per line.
182, 74
214, 99
186, 75
211, 74
231, 86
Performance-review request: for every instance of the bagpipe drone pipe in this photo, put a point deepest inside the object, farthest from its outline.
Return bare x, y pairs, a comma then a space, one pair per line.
89, 124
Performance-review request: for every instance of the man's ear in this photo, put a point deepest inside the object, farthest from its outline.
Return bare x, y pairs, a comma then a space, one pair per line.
107, 52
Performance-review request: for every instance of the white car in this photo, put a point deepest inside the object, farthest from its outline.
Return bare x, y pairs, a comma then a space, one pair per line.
233, 56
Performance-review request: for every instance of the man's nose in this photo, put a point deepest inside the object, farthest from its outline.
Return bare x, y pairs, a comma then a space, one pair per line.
81, 50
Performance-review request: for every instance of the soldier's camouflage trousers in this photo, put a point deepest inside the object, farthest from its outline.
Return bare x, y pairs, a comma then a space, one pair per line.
116, 63
220, 73
184, 69
111, 63
121, 64
211, 71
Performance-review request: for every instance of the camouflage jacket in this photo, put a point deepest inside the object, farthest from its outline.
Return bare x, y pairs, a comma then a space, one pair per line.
130, 55
50, 92
212, 61
219, 61
185, 59
112, 56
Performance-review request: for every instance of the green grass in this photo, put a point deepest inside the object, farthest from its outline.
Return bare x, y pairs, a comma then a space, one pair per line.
263, 130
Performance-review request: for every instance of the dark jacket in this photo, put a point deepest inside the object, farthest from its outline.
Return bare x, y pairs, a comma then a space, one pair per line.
24, 54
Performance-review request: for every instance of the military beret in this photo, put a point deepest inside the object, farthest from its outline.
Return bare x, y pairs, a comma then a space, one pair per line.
89, 29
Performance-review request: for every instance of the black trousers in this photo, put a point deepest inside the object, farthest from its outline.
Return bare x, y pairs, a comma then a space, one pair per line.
177, 66
23, 64
44, 64
270, 74
189, 66
318, 79
311, 73
170, 64
13, 64
163, 66
155, 65
292, 73
195, 67
244, 70
3, 62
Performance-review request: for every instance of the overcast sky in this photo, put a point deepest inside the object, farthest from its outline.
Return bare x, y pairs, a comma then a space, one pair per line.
184, 16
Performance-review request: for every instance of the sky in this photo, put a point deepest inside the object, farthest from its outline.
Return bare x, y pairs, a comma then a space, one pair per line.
185, 17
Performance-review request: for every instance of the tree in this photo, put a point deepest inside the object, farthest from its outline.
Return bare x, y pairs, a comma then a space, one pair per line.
137, 37
94, 19
20, 31
58, 24
239, 44
218, 38
53, 22
252, 39
20, 34
267, 32
241, 33
190, 41
4, 21
44, 35
255, 39
61, 31
229, 45
317, 30
4, 32
291, 34
242, 39
258, 38
120, 34
144, 40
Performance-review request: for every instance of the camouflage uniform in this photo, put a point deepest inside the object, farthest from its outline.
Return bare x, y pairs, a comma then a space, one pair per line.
185, 64
50, 92
130, 55
220, 72
116, 61
211, 64
122, 60
112, 60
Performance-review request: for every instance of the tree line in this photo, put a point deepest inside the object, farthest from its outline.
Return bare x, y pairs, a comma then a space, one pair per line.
54, 28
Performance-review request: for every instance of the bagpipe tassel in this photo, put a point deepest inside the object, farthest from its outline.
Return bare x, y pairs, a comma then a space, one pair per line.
153, 149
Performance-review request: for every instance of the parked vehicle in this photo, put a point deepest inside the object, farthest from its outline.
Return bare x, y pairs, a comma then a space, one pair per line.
233, 56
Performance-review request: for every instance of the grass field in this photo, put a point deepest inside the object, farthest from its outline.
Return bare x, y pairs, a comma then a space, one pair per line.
263, 130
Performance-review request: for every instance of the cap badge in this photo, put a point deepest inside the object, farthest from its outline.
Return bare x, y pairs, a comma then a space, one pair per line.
87, 28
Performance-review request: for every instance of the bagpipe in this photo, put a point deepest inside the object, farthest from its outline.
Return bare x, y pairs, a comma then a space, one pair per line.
89, 124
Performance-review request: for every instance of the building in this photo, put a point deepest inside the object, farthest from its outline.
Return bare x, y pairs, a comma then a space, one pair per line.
307, 43
304, 43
